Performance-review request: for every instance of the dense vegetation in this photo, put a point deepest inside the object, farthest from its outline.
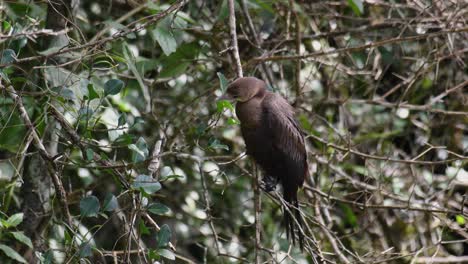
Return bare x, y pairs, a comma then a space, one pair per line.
114, 149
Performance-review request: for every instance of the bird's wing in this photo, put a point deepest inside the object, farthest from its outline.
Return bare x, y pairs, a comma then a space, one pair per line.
286, 136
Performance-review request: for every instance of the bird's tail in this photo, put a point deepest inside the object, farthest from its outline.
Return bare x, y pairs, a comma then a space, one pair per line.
293, 221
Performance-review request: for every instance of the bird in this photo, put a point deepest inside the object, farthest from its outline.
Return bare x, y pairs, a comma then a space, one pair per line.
275, 141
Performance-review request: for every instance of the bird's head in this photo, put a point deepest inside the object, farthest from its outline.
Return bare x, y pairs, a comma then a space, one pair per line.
244, 89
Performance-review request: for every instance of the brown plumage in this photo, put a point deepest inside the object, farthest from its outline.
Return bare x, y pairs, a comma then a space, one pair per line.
275, 141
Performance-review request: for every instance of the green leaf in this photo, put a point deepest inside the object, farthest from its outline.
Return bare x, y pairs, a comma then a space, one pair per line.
67, 94
140, 150
152, 255
350, 217
89, 154
110, 203
143, 229
21, 237
177, 63
174, 71
113, 87
8, 56
460, 219
233, 121
164, 36
89, 206
223, 82
92, 94
223, 104
158, 208
11, 253
169, 177
214, 143
166, 253
122, 119
85, 250
14, 220
146, 184
6, 26
164, 236
130, 59
224, 11
356, 6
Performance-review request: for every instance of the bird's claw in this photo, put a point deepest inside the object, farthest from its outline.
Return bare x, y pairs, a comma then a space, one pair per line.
268, 184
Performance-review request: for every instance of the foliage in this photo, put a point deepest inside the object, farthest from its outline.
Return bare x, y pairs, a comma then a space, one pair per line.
121, 98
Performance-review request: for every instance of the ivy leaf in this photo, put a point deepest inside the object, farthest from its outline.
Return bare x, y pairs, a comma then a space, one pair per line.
122, 119
143, 229
11, 253
164, 36
140, 150
89, 154
214, 143
164, 236
223, 82
158, 208
8, 56
110, 203
113, 87
85, 250
92, 94
146, 184
166, 253
89, 206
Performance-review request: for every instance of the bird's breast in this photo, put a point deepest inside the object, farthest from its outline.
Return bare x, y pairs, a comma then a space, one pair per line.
249, 113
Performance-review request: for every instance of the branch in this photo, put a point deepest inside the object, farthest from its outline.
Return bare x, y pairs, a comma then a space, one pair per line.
357, 48
235, 48
369, 156
51, 166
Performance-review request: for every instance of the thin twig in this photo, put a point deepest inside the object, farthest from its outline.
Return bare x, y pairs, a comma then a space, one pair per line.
361, 47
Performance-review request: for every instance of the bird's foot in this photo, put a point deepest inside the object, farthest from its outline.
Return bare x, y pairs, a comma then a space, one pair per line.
268, 184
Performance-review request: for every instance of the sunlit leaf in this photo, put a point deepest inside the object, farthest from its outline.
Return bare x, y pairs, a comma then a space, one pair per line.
233, 121
223, 104
460, 219
14, 220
